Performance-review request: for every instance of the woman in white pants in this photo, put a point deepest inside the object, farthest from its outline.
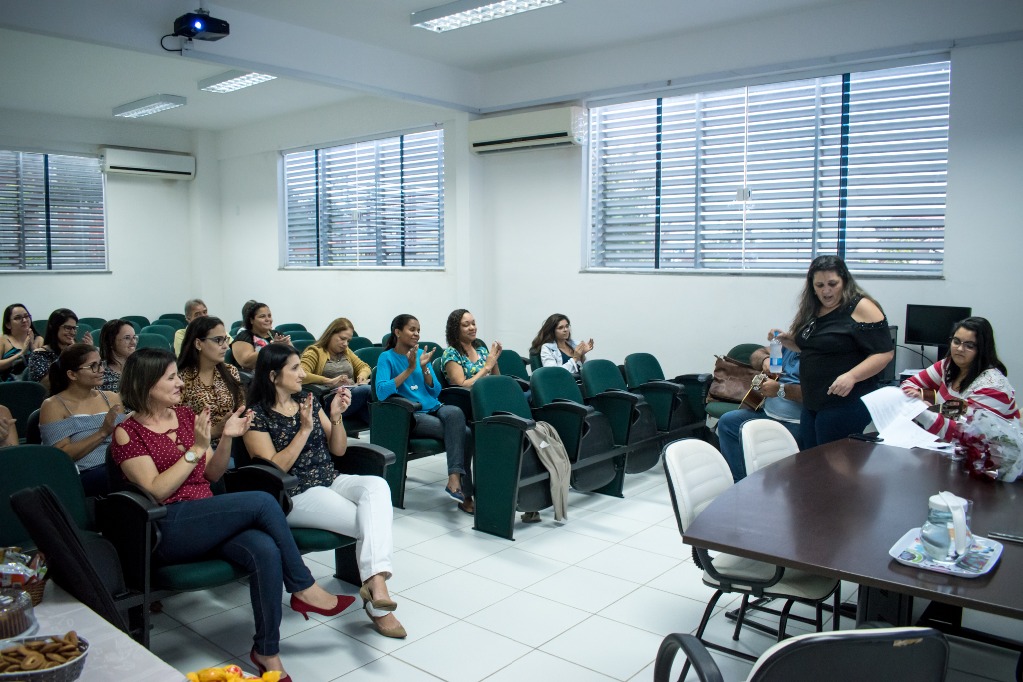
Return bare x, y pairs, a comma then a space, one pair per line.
290, 430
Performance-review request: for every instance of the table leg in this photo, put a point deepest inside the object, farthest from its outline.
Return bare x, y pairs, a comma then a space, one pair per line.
875, 604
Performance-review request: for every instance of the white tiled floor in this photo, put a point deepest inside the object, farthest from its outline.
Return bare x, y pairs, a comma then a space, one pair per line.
589, 599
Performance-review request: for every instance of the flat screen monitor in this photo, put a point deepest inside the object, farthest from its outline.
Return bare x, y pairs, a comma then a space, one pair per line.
931, 325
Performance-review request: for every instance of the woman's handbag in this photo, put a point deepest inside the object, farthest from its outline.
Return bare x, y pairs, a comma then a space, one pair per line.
732, 380
754, 399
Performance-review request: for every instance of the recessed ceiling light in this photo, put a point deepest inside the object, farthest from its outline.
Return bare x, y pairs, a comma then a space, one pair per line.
233, 80
149, 105
468, 12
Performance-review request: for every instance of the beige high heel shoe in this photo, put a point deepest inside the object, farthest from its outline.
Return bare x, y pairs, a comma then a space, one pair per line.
397, 632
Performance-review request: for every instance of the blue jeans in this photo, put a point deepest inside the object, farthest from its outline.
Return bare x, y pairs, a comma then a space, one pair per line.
250, 530
359, 408
730, 437
448, 423
818, 427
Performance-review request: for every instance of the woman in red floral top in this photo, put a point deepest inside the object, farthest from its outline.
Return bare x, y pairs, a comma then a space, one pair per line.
164, 448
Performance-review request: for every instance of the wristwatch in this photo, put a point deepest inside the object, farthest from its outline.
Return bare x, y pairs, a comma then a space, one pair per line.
781, 391
191, 457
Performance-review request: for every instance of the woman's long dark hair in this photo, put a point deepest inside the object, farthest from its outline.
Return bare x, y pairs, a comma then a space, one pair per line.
70, 359
108, 337
197, 329
249, 311
399, 322
546, 333
57, 319
271, 358
452, 329
808, 301
9, 312
142, 370
986, 357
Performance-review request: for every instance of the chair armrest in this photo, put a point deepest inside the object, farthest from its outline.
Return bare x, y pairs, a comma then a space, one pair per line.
660, 386
704, 665
726, 581
569, 406
509, 419
262, 476
127, 518
458, 396
409, 405
523, 384
363, 459
616, 394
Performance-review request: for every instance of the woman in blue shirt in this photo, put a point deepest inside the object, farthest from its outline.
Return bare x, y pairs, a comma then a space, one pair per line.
404, 368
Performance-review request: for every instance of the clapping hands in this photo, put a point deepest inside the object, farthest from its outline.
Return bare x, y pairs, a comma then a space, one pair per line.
237, 423
342, 399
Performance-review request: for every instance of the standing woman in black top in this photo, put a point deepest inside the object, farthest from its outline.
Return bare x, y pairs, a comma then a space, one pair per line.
843, 336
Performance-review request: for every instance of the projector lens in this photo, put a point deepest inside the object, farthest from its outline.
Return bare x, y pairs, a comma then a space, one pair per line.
197, 25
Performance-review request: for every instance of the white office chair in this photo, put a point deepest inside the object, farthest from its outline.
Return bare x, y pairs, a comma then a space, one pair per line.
904, 654
764, 442
697, 474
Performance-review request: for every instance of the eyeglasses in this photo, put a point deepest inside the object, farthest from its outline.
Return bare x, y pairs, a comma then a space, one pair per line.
130, 338
94, 367
73, 328
20, 318
219, 340
965, 345
809, 328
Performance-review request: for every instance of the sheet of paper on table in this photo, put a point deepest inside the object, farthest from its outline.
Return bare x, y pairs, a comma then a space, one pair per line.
893, 412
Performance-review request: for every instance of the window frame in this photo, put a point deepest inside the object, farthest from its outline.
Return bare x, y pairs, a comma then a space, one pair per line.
285, 246
649, 242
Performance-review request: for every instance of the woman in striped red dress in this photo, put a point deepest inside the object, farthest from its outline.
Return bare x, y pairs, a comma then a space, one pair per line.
971, 372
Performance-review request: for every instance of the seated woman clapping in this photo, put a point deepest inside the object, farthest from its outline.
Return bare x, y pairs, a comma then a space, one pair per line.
971, 372
290, 429
117, 340
18, 341
210, 383
78, 417
331, 363
556, 347
164, 448
404, 369
257, 333
61, 328
466, 359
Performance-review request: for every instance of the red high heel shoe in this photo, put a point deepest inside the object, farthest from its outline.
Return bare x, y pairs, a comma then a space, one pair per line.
343, 602
260, 668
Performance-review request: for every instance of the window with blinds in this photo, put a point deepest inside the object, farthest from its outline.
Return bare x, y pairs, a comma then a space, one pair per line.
765, 178
51, 212
378, 203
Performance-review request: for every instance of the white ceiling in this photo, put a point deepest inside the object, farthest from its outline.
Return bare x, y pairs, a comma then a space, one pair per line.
84, 58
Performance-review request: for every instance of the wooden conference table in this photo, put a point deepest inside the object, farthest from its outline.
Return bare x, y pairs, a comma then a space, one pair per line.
837, 509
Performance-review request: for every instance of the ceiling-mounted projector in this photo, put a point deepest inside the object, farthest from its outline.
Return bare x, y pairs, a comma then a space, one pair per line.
201, 26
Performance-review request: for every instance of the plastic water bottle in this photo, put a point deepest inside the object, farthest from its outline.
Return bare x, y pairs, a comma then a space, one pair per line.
775, 347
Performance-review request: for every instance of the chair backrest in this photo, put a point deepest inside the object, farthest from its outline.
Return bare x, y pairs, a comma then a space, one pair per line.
743, 351
764, 442
164, 330
140, 320
511, 364
300, 335
147, 340
499, 393
26, 466
180, 317
135, 325
853, 655
599, 376
384, 339
535, 362
84, 329
428, 345
641, 368
172, 322
369, 355
550, 383
32, 433
235, 326
94, 322
87, 566
438, 371
301, 344
697, 474
22, 398
291, 327
40, 326
358, 342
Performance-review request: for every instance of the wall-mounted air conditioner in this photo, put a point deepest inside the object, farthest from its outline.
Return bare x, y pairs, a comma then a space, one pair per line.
559, 127
151, 162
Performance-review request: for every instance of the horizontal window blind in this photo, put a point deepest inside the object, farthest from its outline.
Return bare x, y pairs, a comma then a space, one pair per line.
374, 203
767, 177
51, 212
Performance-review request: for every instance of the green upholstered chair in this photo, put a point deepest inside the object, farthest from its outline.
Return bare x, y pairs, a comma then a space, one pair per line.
632, 419
301, 344
84, 329
300, 335
534, 362
39, 326
369, 355
93, 322
678, 405
290, 327
178, 317
25, 466
140, 320
511, 364
358, 342
598, 465
22, 398
510, 476
148, 340
166, 331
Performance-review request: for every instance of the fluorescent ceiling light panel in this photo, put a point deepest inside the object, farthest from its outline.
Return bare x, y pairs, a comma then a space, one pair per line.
468, 12
233, 80
149, 105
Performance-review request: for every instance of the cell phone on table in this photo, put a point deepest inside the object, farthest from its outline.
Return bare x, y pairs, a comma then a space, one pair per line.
868, 437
